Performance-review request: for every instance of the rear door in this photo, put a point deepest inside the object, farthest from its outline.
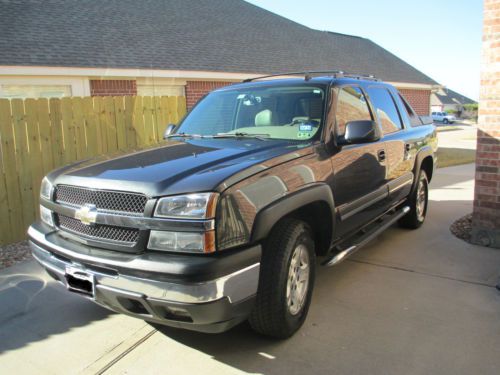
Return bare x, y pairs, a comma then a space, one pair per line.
359, 180
399, 173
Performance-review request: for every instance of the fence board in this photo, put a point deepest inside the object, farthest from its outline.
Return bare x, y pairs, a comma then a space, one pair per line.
79, 121
68, 129
56, 132
23, 162
91, 120
129, 122
39, 135
110, 124
42, 110
10, 184
149, 123
121, 131
102, 145
34, 151
139, 122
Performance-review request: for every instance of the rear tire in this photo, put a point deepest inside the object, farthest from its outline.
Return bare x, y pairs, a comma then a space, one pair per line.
286, 280
418, 203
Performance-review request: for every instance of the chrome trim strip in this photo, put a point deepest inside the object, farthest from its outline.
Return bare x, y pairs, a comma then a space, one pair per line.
136, 222
400, 182
236, 286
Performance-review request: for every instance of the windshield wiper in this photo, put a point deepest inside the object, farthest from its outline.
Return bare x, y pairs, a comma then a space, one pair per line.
261, 137
185, 135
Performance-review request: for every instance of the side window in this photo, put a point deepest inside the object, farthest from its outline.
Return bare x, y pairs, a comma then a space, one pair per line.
386, 109
351, 106
412, 116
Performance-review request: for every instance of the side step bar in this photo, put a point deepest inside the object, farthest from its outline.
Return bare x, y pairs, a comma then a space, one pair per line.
366, 237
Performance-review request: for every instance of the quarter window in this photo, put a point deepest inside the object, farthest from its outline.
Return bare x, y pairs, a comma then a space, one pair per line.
387, 112
351, 106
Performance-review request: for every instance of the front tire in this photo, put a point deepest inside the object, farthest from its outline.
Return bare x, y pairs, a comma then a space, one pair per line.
286, 280
418, 203
445, 121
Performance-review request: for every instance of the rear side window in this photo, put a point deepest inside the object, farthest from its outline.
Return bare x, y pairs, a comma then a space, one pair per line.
387, 112
412, 116
351, 106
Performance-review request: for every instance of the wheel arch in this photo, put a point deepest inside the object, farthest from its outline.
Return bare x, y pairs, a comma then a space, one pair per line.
424, 161
314, 205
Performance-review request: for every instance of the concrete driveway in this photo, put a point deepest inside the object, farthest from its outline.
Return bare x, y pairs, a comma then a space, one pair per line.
412, 302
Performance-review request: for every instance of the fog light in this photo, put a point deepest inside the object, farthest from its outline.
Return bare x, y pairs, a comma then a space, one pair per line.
185, 242
46, 216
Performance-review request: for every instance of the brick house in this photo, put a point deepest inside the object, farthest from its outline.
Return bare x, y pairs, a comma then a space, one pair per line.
446, 99
486, 214
187, 47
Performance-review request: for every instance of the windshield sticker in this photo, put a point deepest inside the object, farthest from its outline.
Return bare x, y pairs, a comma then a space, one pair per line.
303, 134
305, 127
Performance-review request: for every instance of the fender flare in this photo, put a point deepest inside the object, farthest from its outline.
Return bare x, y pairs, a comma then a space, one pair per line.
271, 214
421, 155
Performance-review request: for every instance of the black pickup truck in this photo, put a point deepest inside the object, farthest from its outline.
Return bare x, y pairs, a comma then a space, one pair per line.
227, 218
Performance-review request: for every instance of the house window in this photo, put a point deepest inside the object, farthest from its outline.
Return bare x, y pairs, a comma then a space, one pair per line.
159, 90
34, 91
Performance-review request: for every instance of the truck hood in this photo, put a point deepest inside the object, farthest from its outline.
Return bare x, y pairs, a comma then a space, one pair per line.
176, 167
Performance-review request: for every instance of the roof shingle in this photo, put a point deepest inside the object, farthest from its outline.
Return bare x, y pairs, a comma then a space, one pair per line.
207, 35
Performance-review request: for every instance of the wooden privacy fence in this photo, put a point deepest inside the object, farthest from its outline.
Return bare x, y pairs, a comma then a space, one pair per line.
38, 135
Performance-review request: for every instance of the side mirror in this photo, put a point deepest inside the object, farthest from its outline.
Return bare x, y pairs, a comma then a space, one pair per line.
363, 131
169, 130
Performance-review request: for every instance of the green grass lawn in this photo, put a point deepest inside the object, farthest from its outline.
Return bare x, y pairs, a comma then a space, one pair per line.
448, 157
448, 128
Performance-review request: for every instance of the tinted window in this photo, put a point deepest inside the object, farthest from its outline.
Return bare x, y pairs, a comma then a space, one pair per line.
281, 112
387, 113
408, 111
351, 106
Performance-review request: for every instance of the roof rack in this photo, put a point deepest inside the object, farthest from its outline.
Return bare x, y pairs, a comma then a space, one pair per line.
308, 75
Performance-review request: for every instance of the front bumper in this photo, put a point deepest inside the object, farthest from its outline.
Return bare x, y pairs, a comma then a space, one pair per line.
207, 294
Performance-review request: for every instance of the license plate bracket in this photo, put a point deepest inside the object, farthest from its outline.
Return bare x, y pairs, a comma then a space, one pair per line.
79, 281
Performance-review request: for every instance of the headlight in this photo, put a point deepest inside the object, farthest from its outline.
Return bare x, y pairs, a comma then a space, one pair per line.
192, 206
46, 216
185, 242
46, 189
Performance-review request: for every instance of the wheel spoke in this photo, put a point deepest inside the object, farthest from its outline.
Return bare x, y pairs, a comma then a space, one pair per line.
298, 279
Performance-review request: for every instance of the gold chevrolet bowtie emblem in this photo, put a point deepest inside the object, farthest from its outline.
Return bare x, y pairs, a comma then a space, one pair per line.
87, 214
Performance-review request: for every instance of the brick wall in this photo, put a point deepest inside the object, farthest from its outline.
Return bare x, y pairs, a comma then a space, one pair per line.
195, 90
420, 100
486, 215
113, 87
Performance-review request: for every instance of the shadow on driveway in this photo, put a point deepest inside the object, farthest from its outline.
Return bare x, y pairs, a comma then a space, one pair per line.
33, 308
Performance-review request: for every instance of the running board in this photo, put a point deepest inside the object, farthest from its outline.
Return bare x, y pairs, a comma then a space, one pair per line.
364, 238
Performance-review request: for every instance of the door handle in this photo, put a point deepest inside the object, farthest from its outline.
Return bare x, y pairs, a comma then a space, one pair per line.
381, 155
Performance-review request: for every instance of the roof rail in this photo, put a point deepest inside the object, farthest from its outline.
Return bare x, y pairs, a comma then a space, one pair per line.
308, 75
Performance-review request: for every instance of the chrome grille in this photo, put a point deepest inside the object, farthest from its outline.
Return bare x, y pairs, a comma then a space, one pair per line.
104, 200
99, 231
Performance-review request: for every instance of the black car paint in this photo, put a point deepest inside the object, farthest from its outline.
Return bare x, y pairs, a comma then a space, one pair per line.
230, 165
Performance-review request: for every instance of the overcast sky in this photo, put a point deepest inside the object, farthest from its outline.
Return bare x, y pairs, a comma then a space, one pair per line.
442, 38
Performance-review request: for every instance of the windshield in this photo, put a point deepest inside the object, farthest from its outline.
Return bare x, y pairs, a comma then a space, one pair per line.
279, 112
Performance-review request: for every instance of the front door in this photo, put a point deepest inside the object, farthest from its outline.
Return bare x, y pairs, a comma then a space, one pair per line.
359, 181
398, 148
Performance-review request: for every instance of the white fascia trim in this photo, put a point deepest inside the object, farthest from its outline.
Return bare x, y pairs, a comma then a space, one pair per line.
415, 86
112, 72
155, 73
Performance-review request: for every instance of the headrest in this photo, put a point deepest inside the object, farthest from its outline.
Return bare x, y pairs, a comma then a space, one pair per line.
263, 118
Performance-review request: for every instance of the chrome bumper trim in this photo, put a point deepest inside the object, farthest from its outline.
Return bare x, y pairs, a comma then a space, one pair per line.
236, 286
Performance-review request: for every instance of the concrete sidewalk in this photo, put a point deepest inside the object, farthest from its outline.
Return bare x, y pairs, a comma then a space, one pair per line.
412, 302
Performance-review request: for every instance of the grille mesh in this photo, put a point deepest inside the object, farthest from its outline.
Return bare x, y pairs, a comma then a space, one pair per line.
99, 231
127, 203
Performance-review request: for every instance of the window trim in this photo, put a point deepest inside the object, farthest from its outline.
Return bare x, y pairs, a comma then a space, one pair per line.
388, 89
367, 100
